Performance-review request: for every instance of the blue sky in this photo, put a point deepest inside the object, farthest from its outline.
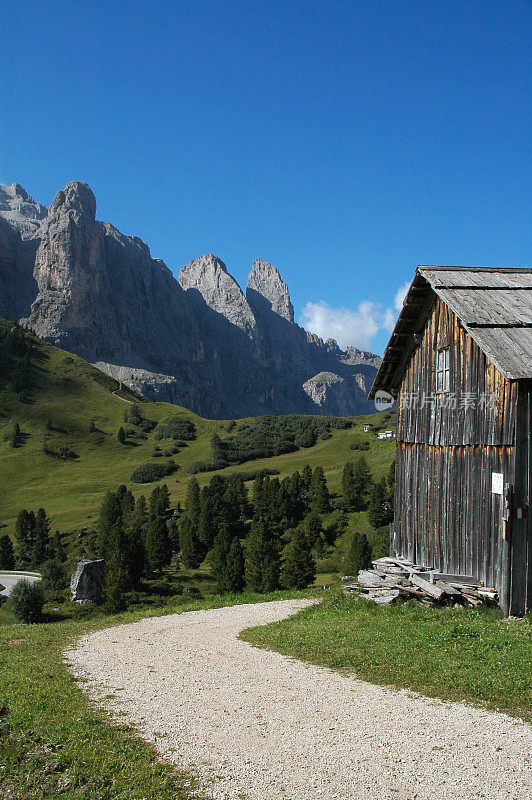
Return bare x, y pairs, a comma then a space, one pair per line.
346, 142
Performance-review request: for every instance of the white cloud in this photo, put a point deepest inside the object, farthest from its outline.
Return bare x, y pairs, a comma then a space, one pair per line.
352, 327
400, 296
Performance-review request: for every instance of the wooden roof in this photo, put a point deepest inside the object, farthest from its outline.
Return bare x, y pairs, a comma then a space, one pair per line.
494, 305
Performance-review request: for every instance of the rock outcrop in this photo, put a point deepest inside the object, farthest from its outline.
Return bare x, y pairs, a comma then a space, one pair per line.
198, 342
20, 210
208, 276
266, 290
88, 581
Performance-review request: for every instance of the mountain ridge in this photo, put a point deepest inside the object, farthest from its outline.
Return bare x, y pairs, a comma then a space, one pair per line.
197, 341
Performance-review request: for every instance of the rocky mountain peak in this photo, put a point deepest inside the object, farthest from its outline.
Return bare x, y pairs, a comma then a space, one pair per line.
89, 289
208, 275
265, 280
20, 210
76, 196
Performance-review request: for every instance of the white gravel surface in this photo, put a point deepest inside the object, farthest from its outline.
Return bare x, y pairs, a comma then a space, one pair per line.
255, 724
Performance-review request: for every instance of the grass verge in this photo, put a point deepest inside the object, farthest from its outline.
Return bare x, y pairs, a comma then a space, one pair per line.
53, 745
472, 655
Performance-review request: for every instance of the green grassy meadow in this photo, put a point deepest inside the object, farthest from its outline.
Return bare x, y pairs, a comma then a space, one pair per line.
70, 394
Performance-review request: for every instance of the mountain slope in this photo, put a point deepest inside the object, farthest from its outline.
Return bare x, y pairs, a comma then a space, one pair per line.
200, 342
68, 405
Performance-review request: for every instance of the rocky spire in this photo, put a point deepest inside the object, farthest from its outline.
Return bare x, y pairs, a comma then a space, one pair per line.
76, 196
265, 280
208, 275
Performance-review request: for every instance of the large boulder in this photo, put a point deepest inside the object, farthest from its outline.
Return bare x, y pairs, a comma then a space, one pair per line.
88, 581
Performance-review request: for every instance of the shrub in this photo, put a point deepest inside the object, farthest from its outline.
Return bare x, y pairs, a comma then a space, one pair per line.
53, 575
26, 601
147, 473
64, 453
175, 428
146, 425
269, 436
133, 414
359, 446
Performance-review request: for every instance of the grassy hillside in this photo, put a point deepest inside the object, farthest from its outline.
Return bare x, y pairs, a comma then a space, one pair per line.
70, 404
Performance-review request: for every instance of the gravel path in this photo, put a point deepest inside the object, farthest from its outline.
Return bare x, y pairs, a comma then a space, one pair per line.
256, 724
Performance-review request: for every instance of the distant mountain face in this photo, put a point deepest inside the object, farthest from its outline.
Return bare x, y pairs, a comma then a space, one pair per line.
198, 342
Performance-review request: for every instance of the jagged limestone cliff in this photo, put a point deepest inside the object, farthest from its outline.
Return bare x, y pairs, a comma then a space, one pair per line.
200, 342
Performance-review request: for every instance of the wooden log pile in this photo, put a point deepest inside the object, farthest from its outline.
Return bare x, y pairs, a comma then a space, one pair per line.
394, 579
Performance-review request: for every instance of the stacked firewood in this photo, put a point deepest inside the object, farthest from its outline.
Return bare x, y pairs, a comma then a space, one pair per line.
394, 579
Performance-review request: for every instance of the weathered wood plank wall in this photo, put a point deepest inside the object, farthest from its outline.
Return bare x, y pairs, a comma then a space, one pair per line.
445, 513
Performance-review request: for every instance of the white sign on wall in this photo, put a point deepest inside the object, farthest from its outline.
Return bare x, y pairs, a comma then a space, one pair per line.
497, 483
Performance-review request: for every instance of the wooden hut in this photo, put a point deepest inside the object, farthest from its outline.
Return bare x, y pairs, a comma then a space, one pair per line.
459, 363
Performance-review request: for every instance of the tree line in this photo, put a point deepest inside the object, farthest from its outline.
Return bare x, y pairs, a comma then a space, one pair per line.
263, 540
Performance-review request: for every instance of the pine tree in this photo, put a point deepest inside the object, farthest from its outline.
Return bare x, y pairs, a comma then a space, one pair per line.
235, 567
236, 504
127, 502
158, 544
41, 546
218, 557
261, 496
121, 435
262, 557
207, 528
314, 530
192, 502
57, 550
141, 509
217, 449
134, 549
360, 484
7, 553
192, 552
24, 537
192, 549
110, 515
379, 510
133, 415
296, 498
306, 477
116, 585
318, 493
299, 567
159, 501
348, 486
15, 437
53, 575
359, 554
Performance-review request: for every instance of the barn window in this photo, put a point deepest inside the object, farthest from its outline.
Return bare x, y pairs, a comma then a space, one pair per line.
443, 372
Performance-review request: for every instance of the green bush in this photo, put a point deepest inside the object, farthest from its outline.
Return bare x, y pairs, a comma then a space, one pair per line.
175, 428
53, 575
26, 601
359, 446
147, 473
268, 436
